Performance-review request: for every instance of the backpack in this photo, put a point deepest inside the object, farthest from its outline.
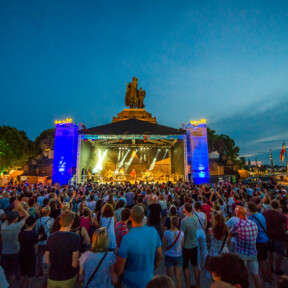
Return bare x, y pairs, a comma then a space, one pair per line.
41, 231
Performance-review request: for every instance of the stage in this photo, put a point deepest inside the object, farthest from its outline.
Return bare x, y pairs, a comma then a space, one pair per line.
140, 151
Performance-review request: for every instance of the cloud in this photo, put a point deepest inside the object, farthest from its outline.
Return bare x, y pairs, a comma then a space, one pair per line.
258, 128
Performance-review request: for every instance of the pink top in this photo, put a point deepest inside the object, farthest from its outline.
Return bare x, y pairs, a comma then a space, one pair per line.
85, 222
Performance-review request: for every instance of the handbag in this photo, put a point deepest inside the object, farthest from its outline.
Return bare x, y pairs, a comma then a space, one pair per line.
95, 271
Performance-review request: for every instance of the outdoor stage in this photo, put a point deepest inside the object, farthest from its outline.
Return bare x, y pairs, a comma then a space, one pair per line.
131, 150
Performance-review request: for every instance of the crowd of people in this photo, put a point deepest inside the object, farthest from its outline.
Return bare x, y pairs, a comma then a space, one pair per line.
118, 234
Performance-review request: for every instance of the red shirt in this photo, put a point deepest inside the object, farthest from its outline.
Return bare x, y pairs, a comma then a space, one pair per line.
120, 230
207, 210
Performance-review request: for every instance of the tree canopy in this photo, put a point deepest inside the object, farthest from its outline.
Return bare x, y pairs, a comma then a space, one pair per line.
15, 148
46, 135
224, 145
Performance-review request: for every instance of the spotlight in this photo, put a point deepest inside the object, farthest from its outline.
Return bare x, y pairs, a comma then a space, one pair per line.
98, 168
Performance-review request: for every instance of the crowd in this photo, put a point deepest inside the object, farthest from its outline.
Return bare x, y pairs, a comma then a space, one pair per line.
118, 234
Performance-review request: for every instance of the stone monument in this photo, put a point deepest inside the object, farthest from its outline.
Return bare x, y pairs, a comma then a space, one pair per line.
134, 99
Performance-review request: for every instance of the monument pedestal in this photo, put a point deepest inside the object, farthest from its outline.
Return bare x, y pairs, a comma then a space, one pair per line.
140, 114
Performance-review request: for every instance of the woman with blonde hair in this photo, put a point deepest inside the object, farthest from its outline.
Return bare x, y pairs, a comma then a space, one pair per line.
108, 220
97, 265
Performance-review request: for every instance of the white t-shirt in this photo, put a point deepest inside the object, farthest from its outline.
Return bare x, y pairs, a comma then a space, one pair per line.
176, 250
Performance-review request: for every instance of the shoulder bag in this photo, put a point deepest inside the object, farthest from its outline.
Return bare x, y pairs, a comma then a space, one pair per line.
95, 271
176, 239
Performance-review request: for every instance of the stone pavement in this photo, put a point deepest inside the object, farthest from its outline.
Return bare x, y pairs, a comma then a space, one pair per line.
204, 281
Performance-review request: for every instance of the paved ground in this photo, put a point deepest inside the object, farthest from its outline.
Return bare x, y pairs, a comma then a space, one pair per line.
204, 281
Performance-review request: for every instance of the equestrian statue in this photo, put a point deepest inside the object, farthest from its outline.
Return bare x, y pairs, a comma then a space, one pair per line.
134, 98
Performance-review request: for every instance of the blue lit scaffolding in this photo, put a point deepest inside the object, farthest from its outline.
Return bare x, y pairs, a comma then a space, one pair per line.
197, 151
65, 152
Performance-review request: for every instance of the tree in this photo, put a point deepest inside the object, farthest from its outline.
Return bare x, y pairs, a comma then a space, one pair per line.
45, 138
223, 144
15, 148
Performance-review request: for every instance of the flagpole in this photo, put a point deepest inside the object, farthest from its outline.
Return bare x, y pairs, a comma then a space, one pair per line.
286, 160
271, 158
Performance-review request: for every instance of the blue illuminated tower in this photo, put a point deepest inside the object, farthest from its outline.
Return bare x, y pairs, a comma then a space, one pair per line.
65, 151
197, 151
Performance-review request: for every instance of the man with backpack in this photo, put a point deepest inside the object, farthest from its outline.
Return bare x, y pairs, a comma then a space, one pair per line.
43, 227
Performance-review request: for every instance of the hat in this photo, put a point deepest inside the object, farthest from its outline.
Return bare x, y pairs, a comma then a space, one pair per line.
12, 216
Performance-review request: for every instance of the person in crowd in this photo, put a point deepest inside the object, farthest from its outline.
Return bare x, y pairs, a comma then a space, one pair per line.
129, 196
276, 227
140, 252
43, 227
246, 232
62, 252
121, 228
229, 268
282, 281
262, 243
189, 226
173, 241
108, 220
163, 204
219, 233
201, 234
10, 230
82, 232
121, 204
28, 239
155, 215
97, 265
161, 281
172, 212
91, 204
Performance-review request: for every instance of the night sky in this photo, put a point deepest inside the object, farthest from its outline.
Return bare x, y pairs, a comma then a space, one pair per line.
226, 61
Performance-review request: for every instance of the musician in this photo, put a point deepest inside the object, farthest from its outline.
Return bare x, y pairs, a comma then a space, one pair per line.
121, 171
133, 174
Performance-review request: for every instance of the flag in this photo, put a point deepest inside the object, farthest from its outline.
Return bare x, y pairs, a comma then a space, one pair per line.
282, 153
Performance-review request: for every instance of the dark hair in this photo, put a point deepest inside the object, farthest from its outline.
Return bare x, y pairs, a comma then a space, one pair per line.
197, 205
121, 203
161, 281
76, 222
173, 210
107, 211
31, 201
275, 204
30, 221
125, 214
188, 207
219, 227
252, 207
230, 268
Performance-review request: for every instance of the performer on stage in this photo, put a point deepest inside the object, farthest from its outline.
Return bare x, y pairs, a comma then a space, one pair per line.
133, 174
121, 171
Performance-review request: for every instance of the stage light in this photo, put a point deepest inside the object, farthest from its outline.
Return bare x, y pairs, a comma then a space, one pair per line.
98, 168
131, 159
154, 161
122, 161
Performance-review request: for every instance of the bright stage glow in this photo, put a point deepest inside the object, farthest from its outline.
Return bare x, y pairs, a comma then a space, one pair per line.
154, 161
98, 168
131, 159
122, 161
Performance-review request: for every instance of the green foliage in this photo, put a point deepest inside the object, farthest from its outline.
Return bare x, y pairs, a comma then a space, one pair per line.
224, 145
15, 148
48, 134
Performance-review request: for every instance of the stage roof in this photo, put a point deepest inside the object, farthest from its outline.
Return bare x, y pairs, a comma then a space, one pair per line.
132, 126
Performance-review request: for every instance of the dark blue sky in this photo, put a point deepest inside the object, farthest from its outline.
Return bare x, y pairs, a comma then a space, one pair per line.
226, 61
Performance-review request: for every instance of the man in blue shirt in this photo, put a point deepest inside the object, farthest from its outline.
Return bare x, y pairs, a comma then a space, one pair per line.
138, 252
262, 242
130, 199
